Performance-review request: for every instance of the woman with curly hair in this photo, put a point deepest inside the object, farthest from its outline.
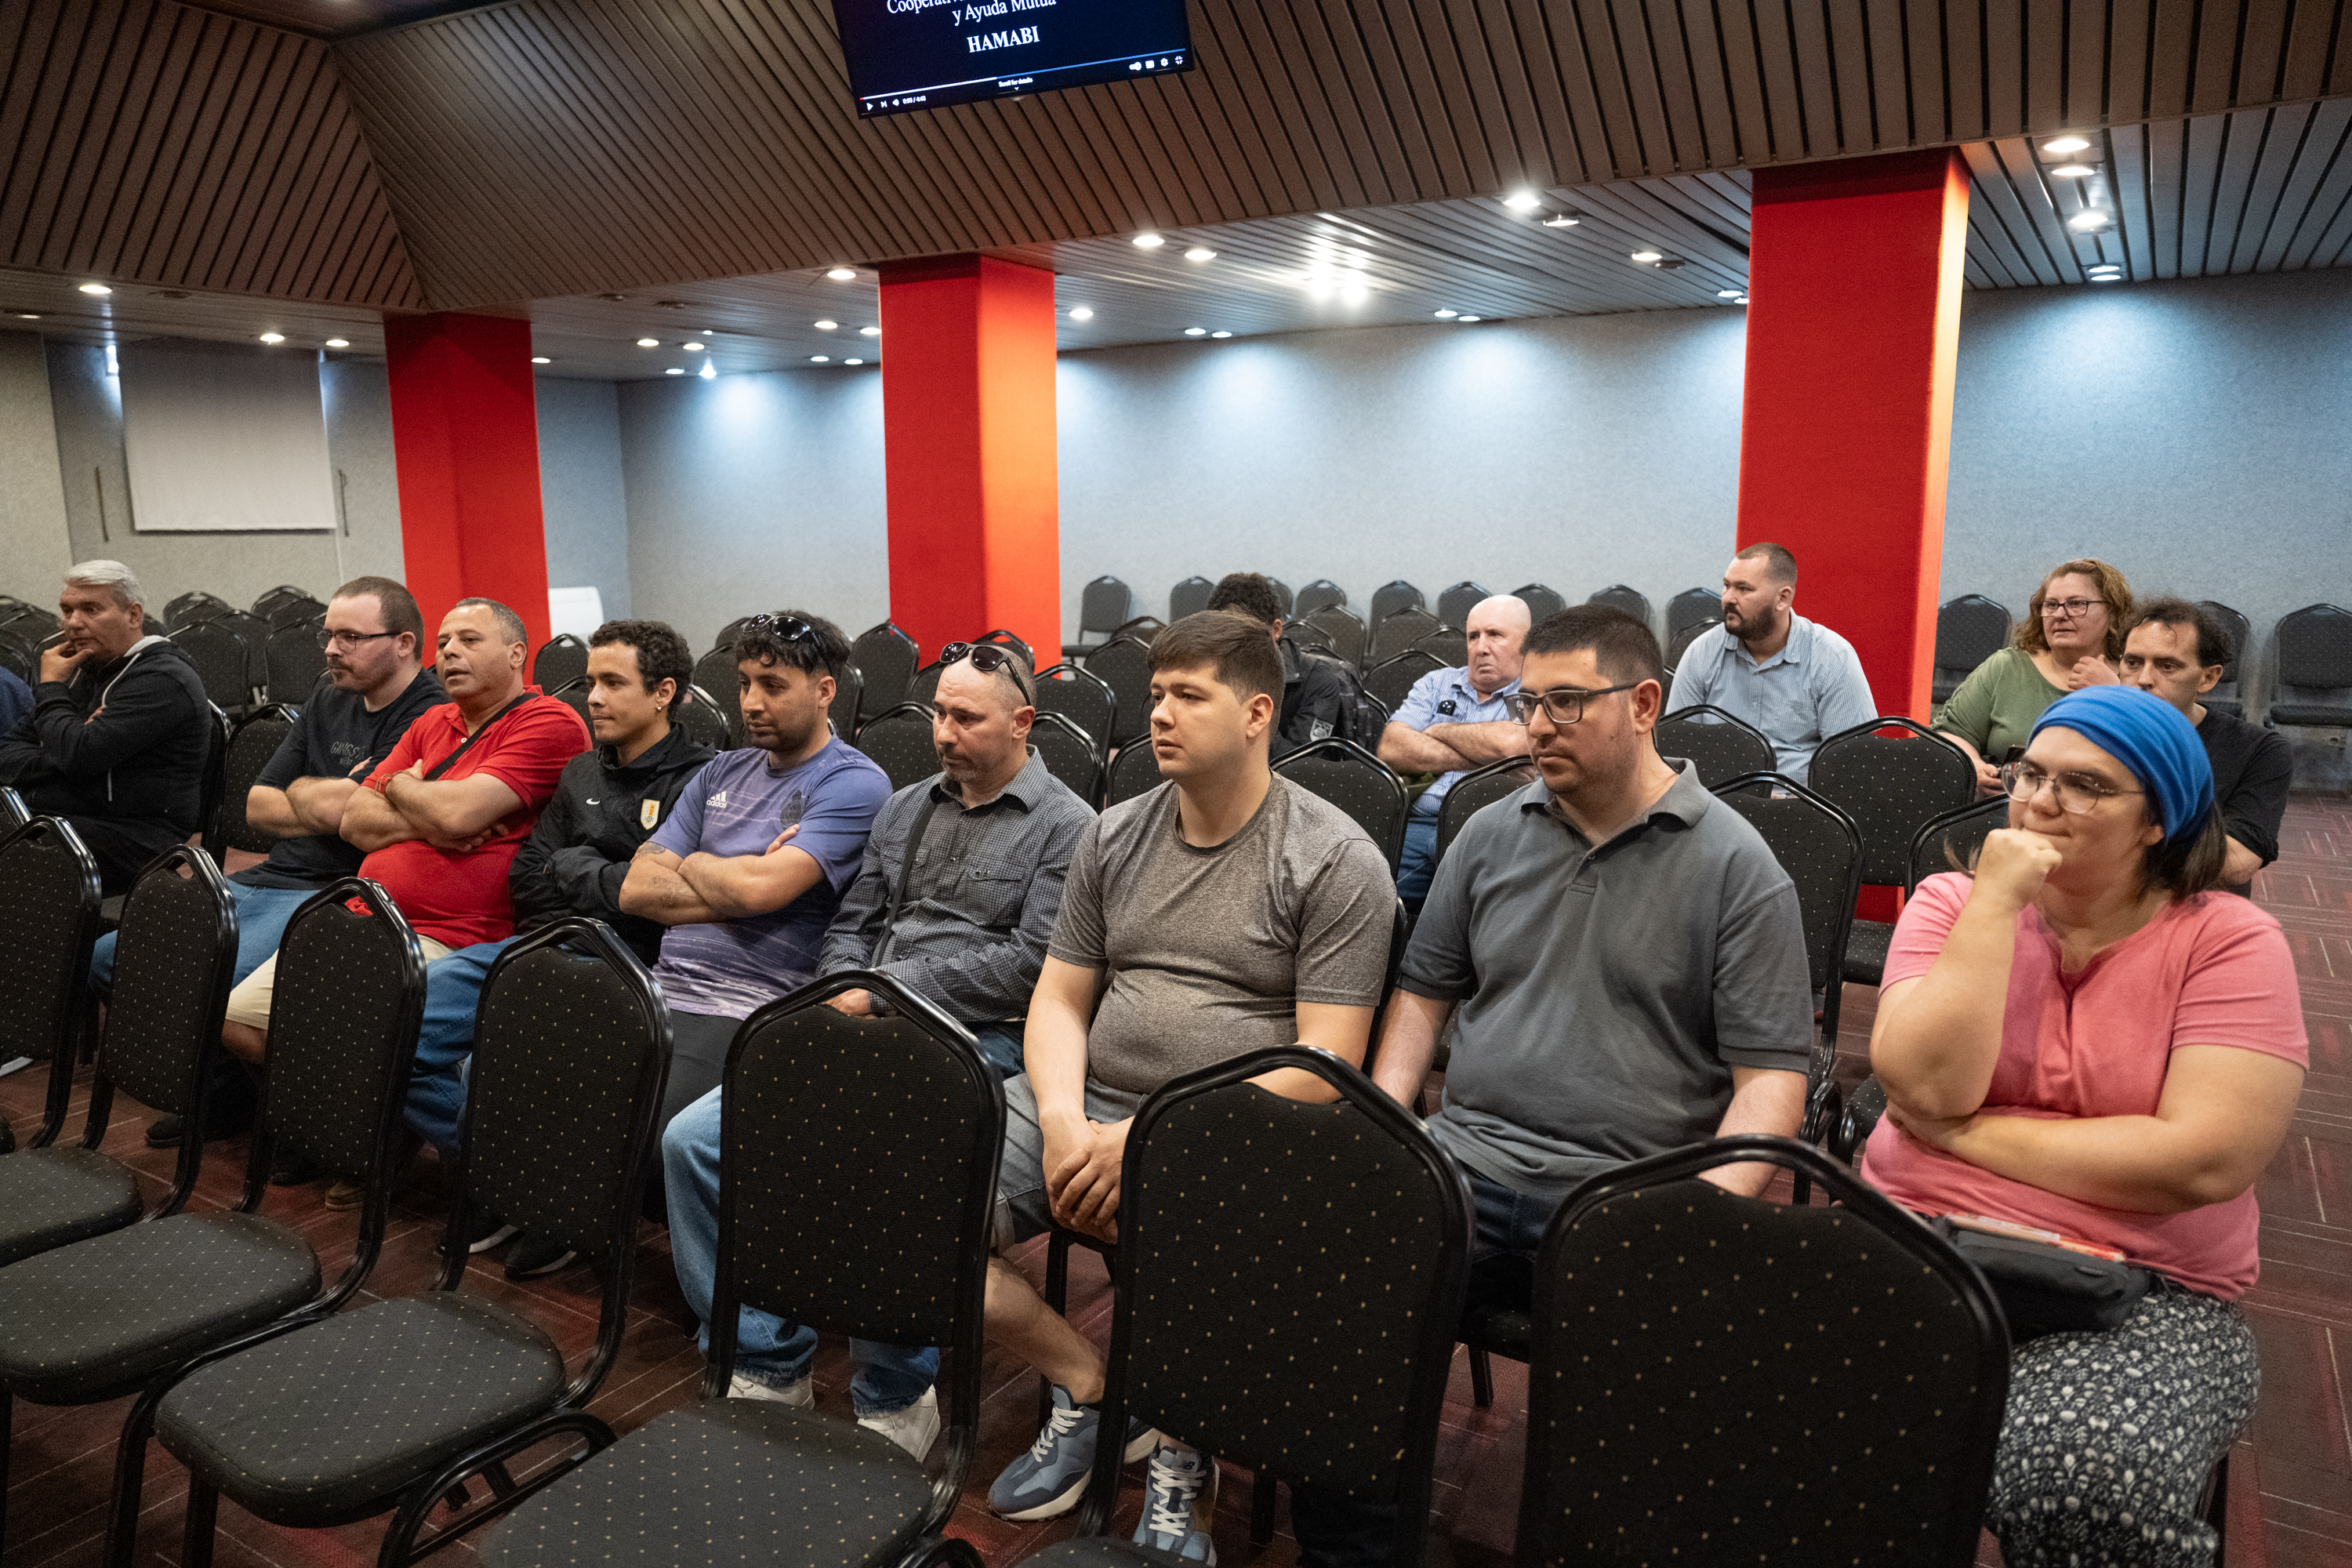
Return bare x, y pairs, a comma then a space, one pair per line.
2072, 637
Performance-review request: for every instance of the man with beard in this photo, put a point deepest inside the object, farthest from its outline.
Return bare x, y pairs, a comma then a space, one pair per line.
990, 839
1794, 679
757, 851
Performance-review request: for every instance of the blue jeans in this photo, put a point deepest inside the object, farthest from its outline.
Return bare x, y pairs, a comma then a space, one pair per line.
1000, 1046
767, 1348
444, 1043
261, 916
1506, 1221
1420, 858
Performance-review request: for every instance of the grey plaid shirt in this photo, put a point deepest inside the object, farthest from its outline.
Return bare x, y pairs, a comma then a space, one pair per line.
980, 904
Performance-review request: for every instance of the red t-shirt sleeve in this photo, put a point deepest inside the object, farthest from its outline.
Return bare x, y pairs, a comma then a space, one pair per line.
528, 751
2240, 989
1919, 931
403, 755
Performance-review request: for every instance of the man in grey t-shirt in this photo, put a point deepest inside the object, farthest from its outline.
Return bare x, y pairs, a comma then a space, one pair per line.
1226, 911
1631, 953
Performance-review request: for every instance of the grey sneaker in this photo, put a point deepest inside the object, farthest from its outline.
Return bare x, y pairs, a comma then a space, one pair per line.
1048, 1479
1179, 1503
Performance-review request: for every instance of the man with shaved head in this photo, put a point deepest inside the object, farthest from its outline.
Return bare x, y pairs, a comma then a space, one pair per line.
1454, 720
1794, 679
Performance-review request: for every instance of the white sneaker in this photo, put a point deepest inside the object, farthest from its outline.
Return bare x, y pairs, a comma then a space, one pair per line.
1179, 1504
800, 1395
915, 1428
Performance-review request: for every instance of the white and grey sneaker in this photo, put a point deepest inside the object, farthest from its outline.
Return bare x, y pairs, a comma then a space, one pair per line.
1179, 1504
915, 1428
1048, 1479
800, 1395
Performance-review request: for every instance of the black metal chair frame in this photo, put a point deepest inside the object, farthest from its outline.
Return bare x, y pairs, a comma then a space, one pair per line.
1957, 1546
1723, 717
14, 812
917, 710
1079, 673
1457, 591
1891, 722
1374, 658
1120, 718
284, 594
1193, 587
1323, 593
1935, 828
244, 692
218, 829
1682, 610
1431, 1364
1413, 653
1332, 746
889, 630
1140, 746
1003, 638
1092, 793
566, 642
75, 1023
1450, 821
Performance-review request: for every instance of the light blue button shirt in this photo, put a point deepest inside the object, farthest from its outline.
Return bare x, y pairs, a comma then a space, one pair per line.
1444, 697
1811, 688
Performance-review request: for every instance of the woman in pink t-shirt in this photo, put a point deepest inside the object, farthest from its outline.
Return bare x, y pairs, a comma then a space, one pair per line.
2086, 1039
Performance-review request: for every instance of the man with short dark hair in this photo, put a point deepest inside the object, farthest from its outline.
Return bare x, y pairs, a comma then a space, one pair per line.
2178, 650
961, 879
1452, 722
1315, 694
1794, 679
120, 734
606, 804
1226, 910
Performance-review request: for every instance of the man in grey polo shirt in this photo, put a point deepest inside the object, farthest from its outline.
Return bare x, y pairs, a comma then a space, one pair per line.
1629, 953
1795, 680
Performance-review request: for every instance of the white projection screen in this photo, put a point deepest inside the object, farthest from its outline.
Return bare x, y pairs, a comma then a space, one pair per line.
224, 443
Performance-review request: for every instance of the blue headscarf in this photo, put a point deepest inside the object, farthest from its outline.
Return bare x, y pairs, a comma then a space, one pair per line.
2153, 739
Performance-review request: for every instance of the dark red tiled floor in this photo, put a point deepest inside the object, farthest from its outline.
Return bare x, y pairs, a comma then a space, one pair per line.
2300, 1448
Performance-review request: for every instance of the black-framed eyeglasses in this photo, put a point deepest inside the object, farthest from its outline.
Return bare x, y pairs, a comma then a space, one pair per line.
2071, 609
1562, 704
329, 639
2077, 794
988, 658
785, 627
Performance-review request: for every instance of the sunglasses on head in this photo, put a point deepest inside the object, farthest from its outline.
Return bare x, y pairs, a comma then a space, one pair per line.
789, 628
988, 658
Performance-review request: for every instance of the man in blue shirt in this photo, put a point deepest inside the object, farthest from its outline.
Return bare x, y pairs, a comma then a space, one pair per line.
1794, 679
1454, 720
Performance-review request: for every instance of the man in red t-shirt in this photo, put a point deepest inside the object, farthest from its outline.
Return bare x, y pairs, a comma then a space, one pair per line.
439, 834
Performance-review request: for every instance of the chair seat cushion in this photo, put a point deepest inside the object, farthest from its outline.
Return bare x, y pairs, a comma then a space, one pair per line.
51, 1196
100, 1318
330, 1422
2309, 713
1866, 951
727, 1481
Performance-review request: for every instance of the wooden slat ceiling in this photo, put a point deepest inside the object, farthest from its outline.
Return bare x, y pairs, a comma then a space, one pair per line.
144, 140
556, 147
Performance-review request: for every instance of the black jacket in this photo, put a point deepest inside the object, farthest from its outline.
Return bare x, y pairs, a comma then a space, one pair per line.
120, 749
578, 856
1315, 702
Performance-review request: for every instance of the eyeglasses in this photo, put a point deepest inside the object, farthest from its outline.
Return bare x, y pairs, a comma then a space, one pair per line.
988, 658
350, 639
788, 628
2077, 794
1562, 704
2071, 609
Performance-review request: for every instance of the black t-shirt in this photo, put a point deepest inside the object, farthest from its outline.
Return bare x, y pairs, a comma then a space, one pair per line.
2252, 769
333, 734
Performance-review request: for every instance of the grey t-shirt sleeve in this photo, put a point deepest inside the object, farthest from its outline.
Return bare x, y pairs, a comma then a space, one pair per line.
1079, 936
1763, 989
1345, 928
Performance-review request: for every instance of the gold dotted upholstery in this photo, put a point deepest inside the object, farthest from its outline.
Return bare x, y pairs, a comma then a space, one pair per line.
164, 1011
1356, 783
45, 930
51, 1196
339, 1021
899, 743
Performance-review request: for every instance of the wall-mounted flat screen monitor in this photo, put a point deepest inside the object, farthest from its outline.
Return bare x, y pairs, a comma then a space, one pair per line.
920, 54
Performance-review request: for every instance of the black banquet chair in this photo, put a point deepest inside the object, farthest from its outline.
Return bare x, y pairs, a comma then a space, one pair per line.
1875, 1369
1105, 604
292, 662
1340, 629
898, 1121
1476, 790
1083, 699
1969, 630
1722, 745
1392, 679
268, 605
1397, 631
2227, 696
326, 1420
1618, 596
1889, 785
1321, 594
1069, 753
1692, 607
887, 658
715, 672
698, 713
251, 744
222, 662
48, 919
561, 660
924, 687
574, 696
1124, 665
1358, 784
1134, 772
1542, 603
1326, 1244
1950, 842
899, 742
1189, 597
1448, 645
1455, 603
2315, 669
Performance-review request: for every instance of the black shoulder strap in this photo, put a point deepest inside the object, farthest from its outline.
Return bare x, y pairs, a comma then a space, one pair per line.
446, 763
906, 876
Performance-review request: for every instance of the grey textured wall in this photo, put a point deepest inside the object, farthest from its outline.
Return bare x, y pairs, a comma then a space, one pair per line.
34, 548
580, 488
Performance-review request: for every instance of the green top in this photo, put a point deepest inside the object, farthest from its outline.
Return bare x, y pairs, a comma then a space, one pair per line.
1996, 706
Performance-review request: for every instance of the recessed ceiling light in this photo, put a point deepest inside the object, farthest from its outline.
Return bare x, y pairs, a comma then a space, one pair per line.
825, 326
2073, 170
541, 359
820, 359
338, 343
672, 370
1200, 253
1447, 315
2066, 145
843, 274
1727, 293
95, 289
691, 347
1742, 300
852, 361
615, 299
1566, 217
28, 315
1221, 335
2106, 277
273, 337
648, 343
1646, 256
1196, 331
869, 331
1523, 201
1151, 241
709, 371
2087, 220
1469, 318
1082, 314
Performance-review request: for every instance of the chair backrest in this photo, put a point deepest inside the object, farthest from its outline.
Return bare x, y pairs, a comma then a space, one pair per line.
1104, 604
293, 611
2315, 647
255, 741
1307, 633
1134, 772
1282, 596
1321, 594
1889, 785
256, 633
19, 655
1189, 597
1391, 596
2241, 631
848, 693
1681, 1329
1455, 603
48, 920
698, 713
573, 694
1542, 603
193, 607
1002, 639
1692, 607
886, 657
1474, 792
1330, 1243
1956, 835
899, 742
1722, 746
223, 662
717, 675
1618, 596
213, 786
1820, 849
1070, 754
924, 687
1397, 631
294, 661
1448, 645
1080, 696
284, 594
1358, 784
857, 1185
561, 660
1969, 630
730, 632
1341, 628
1390, 681
1125, 666
174, 955
14, 812
1680, 643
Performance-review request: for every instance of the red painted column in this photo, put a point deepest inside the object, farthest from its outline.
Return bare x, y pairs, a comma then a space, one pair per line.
967, 450
464, 436
1855, 274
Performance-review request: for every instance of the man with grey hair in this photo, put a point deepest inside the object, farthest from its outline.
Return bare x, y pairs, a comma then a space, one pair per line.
1454, 720
1794, 679
119, 737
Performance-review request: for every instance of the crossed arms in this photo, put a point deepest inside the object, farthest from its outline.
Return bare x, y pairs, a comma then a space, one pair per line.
700, 888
